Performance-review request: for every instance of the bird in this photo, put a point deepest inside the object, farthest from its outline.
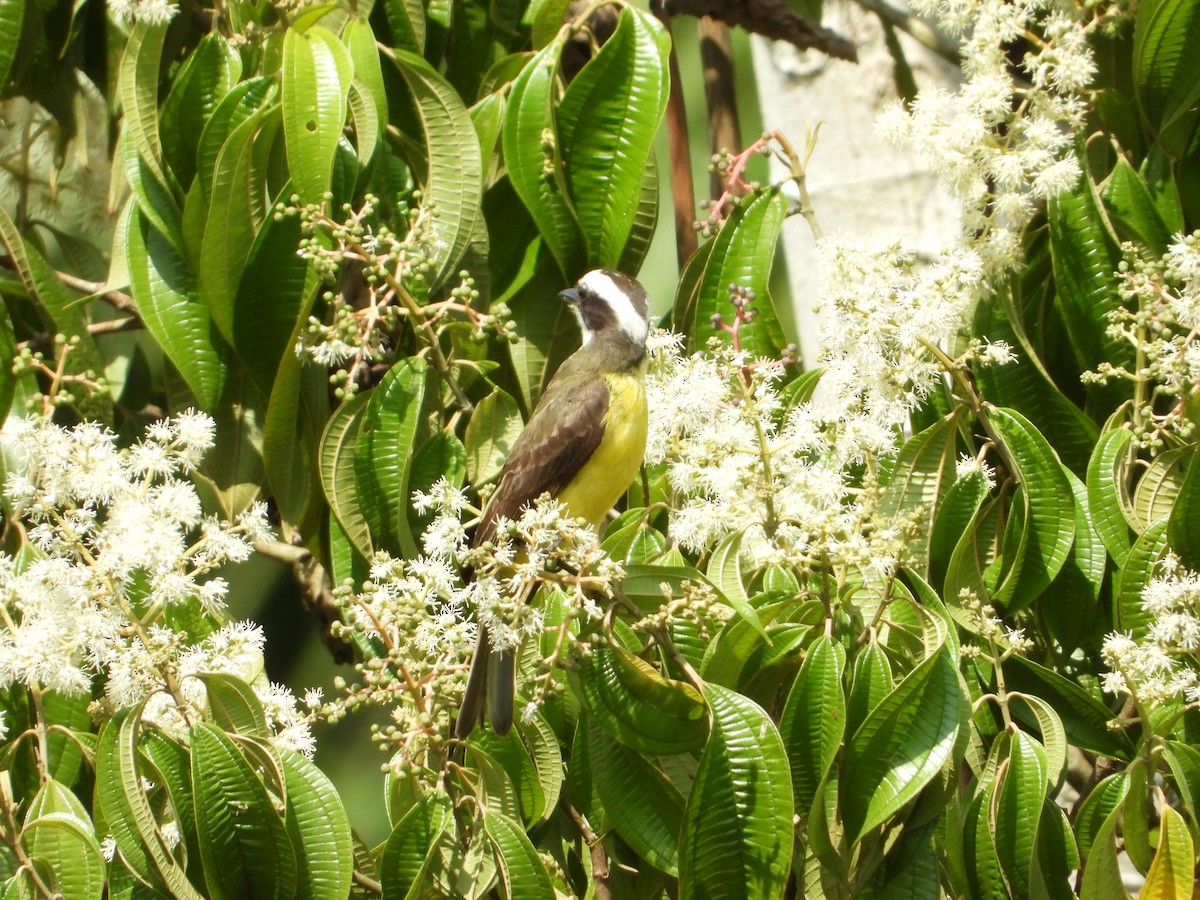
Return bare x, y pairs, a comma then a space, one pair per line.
583, 445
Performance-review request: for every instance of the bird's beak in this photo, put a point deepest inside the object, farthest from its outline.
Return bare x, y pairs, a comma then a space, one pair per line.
570, 295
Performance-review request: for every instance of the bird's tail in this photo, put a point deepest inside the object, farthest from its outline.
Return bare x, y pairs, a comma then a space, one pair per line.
493, 675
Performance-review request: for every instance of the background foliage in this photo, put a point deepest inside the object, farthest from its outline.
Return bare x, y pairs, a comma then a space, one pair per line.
908, 646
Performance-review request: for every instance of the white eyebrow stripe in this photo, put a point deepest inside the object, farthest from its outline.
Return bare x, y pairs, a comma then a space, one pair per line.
628, 318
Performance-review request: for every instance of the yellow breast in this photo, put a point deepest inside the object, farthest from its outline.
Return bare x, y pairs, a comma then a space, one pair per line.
606, 475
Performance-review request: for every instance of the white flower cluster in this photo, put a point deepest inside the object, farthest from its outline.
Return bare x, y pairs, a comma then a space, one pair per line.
118, 549
424, 611
152, 12
738, 460
1161, 667
1001, 143
884, 317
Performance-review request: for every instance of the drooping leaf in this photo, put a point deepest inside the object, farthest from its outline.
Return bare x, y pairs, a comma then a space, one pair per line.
317, 823
534, 162
643, 805
741, 255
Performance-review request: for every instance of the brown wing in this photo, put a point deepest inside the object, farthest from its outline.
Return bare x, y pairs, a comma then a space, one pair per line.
563, 433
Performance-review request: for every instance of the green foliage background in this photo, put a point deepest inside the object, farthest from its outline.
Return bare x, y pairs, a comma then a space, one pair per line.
818, 744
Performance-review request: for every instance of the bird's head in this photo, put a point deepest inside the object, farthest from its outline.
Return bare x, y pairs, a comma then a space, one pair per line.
610, 305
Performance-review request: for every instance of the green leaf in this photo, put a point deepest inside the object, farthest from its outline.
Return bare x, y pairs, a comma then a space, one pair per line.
1084, 717
643, 805
1085, 262
69, 849
1105, 800
1022, 790
1132, 209
171, 307
237, 210
814, 719
725, 573
320, 831
737, 834
335, 465
202, 83
1049, 504
406, 19
1158, 488
275, 292
1184, 763
871, 681
453, 187
1166, 79
534, 165
542, 744
741, 255
383, 455
122, 804
606, 121
1106, 487
317, 72
1029, 386
139, 92
953, 519
297, 410
1173, 872
244, 844
618, 692
233, 705
408, 853
491, 432
510, 754
360, 41
12, 15
1183, 527
64, 311
1132, 578
242, 101
1102, 876
902, 744
523, 875
921, 478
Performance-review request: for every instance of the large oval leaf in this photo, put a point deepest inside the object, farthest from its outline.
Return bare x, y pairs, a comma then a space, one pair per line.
383, 455
317, 73
737, 833
244, 844
534, 165
606, 125
902, 745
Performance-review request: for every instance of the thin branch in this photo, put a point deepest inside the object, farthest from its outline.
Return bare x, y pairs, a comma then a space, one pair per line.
596, 846
772, 19
916, 28
112, 326
116, 299
316, 590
